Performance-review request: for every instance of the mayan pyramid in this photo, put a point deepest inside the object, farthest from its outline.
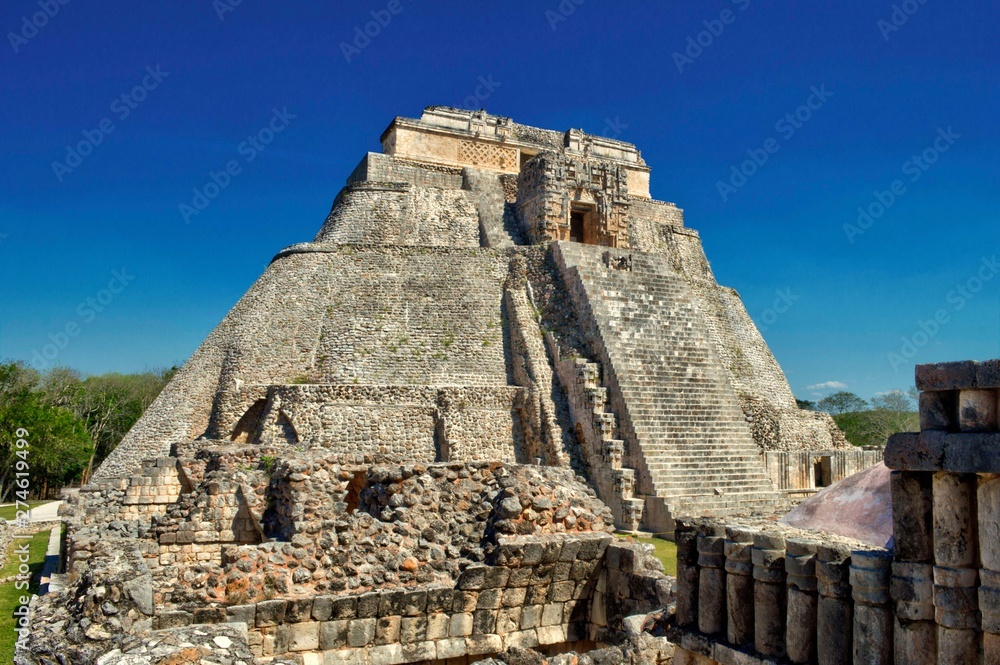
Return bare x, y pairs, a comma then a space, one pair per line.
485, 290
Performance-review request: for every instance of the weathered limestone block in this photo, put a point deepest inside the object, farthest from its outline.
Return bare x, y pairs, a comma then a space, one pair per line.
303, 636
685, 537
360, 632
938, 411
739, 586
835, 610
977, 410
873, 620
800, 567
333, 634
955, 573
915, 635
946, 376
770, 609
989, 605
989, 553
912, 516
956, 610
711, 579
954, 519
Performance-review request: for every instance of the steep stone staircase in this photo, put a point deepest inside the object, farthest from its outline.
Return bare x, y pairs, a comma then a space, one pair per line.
596, 428
684, 431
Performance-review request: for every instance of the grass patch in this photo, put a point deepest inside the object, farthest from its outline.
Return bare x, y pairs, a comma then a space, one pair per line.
10, 595
665, 551
10, 512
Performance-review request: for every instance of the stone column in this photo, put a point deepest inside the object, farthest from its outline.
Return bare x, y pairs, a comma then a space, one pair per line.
685, 537
835, 609
711, 579
956, 574
768, 557
873, 618
989, 605
989, 552
915, 633
739, 586
800, 567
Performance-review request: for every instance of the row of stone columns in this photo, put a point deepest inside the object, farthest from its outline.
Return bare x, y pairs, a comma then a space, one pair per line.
794, 599
940, 520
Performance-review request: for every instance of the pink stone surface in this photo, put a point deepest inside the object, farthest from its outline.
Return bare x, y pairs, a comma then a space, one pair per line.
859, 507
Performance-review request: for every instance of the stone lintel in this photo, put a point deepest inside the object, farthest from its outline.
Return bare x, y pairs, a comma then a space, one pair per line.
943, 451
947, 376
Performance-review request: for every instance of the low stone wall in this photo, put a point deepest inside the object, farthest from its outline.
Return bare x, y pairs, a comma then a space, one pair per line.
754, 594
109, 595
536, 591
760, 594
158, 485
540, 595
417, 423
459, 560
805, 472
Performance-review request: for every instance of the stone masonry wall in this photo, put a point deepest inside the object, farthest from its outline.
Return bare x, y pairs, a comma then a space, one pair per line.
650, 223
795, 470
416, 423
402, 214
531, 368
377, 167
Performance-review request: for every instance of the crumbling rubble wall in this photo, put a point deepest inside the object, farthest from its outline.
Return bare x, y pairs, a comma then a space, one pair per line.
345, 558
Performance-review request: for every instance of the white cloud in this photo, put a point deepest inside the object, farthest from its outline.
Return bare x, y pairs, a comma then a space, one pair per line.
828, 385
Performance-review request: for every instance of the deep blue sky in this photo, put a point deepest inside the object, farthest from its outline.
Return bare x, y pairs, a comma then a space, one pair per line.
607, 65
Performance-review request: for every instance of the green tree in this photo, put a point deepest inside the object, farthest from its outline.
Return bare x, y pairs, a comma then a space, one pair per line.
73, 422
58, 444
109, 404
891, 412
842, 402
805, 404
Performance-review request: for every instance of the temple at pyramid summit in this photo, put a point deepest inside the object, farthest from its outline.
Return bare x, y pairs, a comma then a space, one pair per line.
487, 291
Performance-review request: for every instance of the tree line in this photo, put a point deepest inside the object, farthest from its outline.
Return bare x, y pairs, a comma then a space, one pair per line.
870, 422
73, 422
